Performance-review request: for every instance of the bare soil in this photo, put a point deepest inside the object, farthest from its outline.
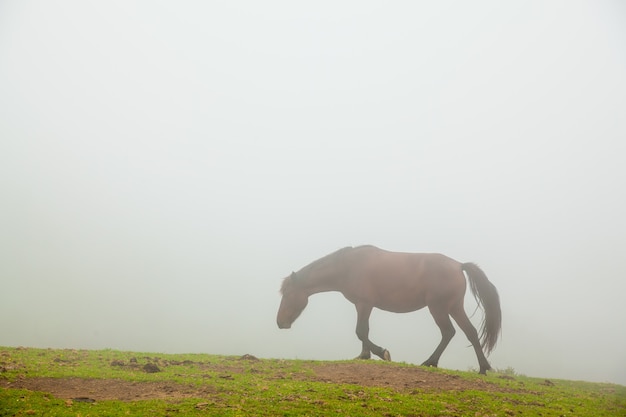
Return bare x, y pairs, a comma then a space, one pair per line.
409, 379
90, 390
401, 379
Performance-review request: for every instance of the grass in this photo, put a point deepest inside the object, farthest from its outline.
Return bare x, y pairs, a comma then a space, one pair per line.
231, 386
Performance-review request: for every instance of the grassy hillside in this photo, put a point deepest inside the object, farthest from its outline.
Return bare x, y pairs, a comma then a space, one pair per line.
110, 383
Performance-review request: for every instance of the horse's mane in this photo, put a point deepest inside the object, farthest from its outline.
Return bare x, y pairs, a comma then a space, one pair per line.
290, 280
325, 259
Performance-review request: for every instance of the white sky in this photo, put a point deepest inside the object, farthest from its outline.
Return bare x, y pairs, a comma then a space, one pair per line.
163, 165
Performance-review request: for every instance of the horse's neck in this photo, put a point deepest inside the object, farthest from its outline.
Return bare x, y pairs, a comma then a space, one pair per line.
322, 280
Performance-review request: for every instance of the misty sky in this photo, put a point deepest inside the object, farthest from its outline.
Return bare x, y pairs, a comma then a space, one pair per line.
163, 165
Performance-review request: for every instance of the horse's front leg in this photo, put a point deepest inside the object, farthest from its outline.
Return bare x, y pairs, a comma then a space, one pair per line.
362, 332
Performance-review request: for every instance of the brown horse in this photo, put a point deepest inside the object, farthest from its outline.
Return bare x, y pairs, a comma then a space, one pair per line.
398, 282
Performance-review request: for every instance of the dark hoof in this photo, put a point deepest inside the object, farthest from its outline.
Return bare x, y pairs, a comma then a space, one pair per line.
386, 355
364, 356
430, 364
484, 369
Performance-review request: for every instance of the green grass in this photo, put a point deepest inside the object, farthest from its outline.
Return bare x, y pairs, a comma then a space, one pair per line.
231, 386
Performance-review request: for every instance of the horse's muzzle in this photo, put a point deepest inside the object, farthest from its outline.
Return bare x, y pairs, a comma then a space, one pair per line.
283, 325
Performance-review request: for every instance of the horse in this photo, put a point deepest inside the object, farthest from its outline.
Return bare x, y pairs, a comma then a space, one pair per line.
399, 282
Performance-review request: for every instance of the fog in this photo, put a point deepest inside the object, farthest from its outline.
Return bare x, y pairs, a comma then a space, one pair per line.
163, 165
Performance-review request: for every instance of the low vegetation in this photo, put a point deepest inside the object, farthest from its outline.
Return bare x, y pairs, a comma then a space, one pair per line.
112, 383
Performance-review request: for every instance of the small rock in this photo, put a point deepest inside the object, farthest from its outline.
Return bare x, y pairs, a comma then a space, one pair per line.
151, 368
84, 400
248, 357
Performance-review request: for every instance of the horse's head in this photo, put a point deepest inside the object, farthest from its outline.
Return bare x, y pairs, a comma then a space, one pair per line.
293, 302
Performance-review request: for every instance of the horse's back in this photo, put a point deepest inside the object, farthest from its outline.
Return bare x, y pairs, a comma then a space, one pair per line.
388, 262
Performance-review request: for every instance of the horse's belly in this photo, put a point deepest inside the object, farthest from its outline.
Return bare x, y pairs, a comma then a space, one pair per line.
400, 305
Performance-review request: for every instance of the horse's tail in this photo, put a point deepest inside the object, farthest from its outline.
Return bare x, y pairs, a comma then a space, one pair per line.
486, 295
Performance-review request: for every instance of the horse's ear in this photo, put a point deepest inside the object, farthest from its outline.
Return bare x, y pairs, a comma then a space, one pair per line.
293, 275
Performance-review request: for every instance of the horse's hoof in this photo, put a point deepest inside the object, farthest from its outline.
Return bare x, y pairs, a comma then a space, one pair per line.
363, 356
386, 355
484, 369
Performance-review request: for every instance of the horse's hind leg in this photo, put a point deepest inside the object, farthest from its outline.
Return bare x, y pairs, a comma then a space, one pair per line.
447, 332
362, 332
459, 315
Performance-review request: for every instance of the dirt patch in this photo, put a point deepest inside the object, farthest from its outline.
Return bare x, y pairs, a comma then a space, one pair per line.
89, 390
370, 374
401, 379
